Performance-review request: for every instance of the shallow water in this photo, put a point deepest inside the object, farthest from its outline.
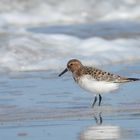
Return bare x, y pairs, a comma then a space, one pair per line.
40, 105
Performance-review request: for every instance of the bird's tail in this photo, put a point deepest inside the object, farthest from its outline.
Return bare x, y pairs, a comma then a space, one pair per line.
133, 79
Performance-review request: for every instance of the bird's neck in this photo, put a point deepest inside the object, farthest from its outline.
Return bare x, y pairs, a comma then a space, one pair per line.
77, 74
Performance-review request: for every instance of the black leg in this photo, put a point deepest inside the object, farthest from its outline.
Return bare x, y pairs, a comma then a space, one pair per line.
95, 99
100, 99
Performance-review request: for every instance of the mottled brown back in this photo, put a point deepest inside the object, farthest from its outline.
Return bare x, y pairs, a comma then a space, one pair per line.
106, 76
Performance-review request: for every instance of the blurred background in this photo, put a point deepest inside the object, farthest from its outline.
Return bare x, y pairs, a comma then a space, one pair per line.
45, 34
21, 13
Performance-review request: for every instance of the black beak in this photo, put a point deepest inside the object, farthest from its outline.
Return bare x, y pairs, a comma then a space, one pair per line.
64, 71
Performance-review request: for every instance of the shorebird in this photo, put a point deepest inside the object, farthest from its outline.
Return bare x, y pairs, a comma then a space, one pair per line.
95, 80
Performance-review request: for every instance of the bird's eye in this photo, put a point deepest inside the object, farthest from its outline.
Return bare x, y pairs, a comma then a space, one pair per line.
71, 64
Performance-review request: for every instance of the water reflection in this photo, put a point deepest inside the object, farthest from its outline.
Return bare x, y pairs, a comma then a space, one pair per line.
101, 131
98, 119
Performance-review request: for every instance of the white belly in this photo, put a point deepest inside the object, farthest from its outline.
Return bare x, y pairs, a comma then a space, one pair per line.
98, 87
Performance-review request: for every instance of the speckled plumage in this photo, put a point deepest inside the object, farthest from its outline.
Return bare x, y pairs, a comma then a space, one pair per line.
100, 75
95, 80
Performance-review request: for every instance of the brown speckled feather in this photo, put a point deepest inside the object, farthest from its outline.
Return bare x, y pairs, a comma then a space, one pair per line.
100, 75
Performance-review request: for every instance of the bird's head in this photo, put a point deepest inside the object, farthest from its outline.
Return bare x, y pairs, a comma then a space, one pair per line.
73, 65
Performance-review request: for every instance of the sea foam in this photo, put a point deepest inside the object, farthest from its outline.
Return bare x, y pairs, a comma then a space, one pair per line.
34, 12
26, 51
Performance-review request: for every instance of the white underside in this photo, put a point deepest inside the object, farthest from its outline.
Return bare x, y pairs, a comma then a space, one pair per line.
96, 87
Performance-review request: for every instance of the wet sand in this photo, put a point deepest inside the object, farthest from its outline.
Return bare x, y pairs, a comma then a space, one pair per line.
39, 105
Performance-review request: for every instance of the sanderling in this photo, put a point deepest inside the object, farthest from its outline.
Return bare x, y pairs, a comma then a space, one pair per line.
95, 80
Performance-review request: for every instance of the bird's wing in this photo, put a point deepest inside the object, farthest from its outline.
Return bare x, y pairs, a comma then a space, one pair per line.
108, 77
